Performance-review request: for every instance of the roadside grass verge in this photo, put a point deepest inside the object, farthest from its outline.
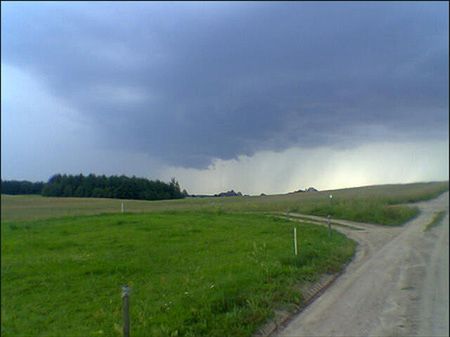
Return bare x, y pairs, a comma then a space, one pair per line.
437, 220
191, 273
375, 211
383, 204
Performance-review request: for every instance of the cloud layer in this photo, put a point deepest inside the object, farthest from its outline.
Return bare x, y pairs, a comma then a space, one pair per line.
188, 83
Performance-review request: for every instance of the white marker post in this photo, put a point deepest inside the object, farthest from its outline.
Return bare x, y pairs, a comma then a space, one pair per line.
121, 207
295, 241
329, 218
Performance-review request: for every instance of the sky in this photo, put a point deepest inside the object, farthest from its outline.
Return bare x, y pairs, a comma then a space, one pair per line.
259, 97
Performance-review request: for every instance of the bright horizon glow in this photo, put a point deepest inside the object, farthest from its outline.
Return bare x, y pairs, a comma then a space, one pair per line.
322, 168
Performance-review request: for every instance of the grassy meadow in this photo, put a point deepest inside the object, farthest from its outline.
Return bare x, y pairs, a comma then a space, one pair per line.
379, 204
192, 274
197, 267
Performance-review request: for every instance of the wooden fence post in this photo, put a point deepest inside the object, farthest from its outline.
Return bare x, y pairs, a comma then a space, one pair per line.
126, 309
329, 225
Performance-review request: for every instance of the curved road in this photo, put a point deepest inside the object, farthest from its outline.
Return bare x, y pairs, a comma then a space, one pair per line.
397, 285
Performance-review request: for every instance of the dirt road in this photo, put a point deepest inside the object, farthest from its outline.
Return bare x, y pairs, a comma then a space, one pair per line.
397, 285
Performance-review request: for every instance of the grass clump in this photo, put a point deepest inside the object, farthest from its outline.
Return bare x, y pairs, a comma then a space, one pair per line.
191, 273
364, 210
437, 220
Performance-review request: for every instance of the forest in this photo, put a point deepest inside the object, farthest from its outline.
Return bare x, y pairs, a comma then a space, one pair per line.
93, 186
15, 187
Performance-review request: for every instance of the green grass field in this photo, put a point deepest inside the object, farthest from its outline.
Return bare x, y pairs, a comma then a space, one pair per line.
192, 274
376, 204
197, 267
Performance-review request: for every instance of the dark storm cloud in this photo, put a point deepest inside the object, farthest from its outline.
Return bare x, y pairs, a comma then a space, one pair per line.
187, 82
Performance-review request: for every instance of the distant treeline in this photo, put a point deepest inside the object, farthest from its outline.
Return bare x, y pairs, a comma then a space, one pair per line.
120, 187
21, 187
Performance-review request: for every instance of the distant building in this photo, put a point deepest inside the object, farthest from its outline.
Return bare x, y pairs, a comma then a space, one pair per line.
311, 189
231, 193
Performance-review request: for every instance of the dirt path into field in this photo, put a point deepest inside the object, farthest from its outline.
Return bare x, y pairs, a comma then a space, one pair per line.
397, 285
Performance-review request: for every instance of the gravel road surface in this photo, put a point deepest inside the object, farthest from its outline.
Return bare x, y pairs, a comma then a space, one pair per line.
397, 285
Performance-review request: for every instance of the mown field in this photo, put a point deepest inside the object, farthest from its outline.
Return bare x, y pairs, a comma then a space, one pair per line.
192, 274
377, 204
197, 267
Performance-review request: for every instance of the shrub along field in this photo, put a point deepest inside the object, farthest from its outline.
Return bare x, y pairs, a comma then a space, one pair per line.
377, 204
191, 274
